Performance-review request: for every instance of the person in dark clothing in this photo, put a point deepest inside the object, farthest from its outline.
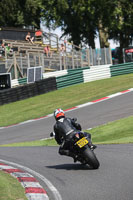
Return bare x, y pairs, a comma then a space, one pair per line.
64, 129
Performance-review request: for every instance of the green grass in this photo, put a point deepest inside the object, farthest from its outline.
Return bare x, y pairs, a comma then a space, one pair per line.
48, 142
65, 98
10, 188
117, 132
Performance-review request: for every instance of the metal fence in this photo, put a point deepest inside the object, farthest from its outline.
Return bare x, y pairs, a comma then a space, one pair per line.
18, 63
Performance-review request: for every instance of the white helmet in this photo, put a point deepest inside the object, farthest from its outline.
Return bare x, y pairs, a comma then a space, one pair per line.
59, 113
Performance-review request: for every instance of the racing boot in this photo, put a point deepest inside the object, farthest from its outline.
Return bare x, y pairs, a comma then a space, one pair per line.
93, 146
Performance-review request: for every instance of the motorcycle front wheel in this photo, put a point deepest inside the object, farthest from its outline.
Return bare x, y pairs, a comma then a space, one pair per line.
90, 158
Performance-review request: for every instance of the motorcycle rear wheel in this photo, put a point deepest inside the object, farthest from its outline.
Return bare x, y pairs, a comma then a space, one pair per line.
91, 159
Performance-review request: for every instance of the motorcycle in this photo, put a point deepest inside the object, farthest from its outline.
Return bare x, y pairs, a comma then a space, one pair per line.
83, 152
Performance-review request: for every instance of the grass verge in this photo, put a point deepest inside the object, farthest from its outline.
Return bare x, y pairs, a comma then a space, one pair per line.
10, 188
65, 98
117, 132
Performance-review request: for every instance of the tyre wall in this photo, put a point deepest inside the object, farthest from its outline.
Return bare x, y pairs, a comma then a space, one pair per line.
28, 90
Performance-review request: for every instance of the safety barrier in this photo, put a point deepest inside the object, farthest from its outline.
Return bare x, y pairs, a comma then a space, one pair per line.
22, 81
55, 74
17, 82
120, 69
86, 73
69, 77
63, 72
73, 77
72, 71
28, 90
96, 73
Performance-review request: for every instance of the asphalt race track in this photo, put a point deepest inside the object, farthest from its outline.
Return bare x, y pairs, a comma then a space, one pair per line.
89, 116
112, 181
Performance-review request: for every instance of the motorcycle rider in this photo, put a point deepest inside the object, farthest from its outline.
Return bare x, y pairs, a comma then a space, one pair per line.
64, 129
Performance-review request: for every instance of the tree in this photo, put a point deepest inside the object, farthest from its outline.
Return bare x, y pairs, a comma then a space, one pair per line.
76, 18
8, 12
17, 13
82, 19
117, 19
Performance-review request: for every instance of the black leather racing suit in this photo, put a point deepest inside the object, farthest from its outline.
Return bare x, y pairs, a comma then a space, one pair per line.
64, 130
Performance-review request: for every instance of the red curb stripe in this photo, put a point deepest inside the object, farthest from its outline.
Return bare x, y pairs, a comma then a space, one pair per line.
125, 91
100, 99
40, 117
35, 190
10, 125
26, 179
12, 170
70, 108
3, 164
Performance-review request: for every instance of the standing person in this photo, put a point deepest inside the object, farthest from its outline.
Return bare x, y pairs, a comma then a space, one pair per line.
29, 38
63, 54
62, 50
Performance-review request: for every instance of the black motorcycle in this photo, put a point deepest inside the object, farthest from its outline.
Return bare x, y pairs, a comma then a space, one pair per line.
83, 151
80, 147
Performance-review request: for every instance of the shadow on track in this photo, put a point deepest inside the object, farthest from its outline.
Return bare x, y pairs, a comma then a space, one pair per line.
71, 167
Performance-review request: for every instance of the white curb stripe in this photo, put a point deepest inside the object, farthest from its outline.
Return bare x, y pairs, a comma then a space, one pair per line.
37, 196
2, 167
30, 184
115, 95
28, 121
19, 174
85, 104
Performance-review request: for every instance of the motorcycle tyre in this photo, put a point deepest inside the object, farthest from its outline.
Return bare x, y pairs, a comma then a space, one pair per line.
91, 159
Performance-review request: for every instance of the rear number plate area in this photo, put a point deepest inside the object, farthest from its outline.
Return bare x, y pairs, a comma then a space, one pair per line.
82, 142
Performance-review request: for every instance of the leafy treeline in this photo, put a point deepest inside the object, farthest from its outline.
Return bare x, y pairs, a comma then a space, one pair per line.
17, 13
80, 19
83, 19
